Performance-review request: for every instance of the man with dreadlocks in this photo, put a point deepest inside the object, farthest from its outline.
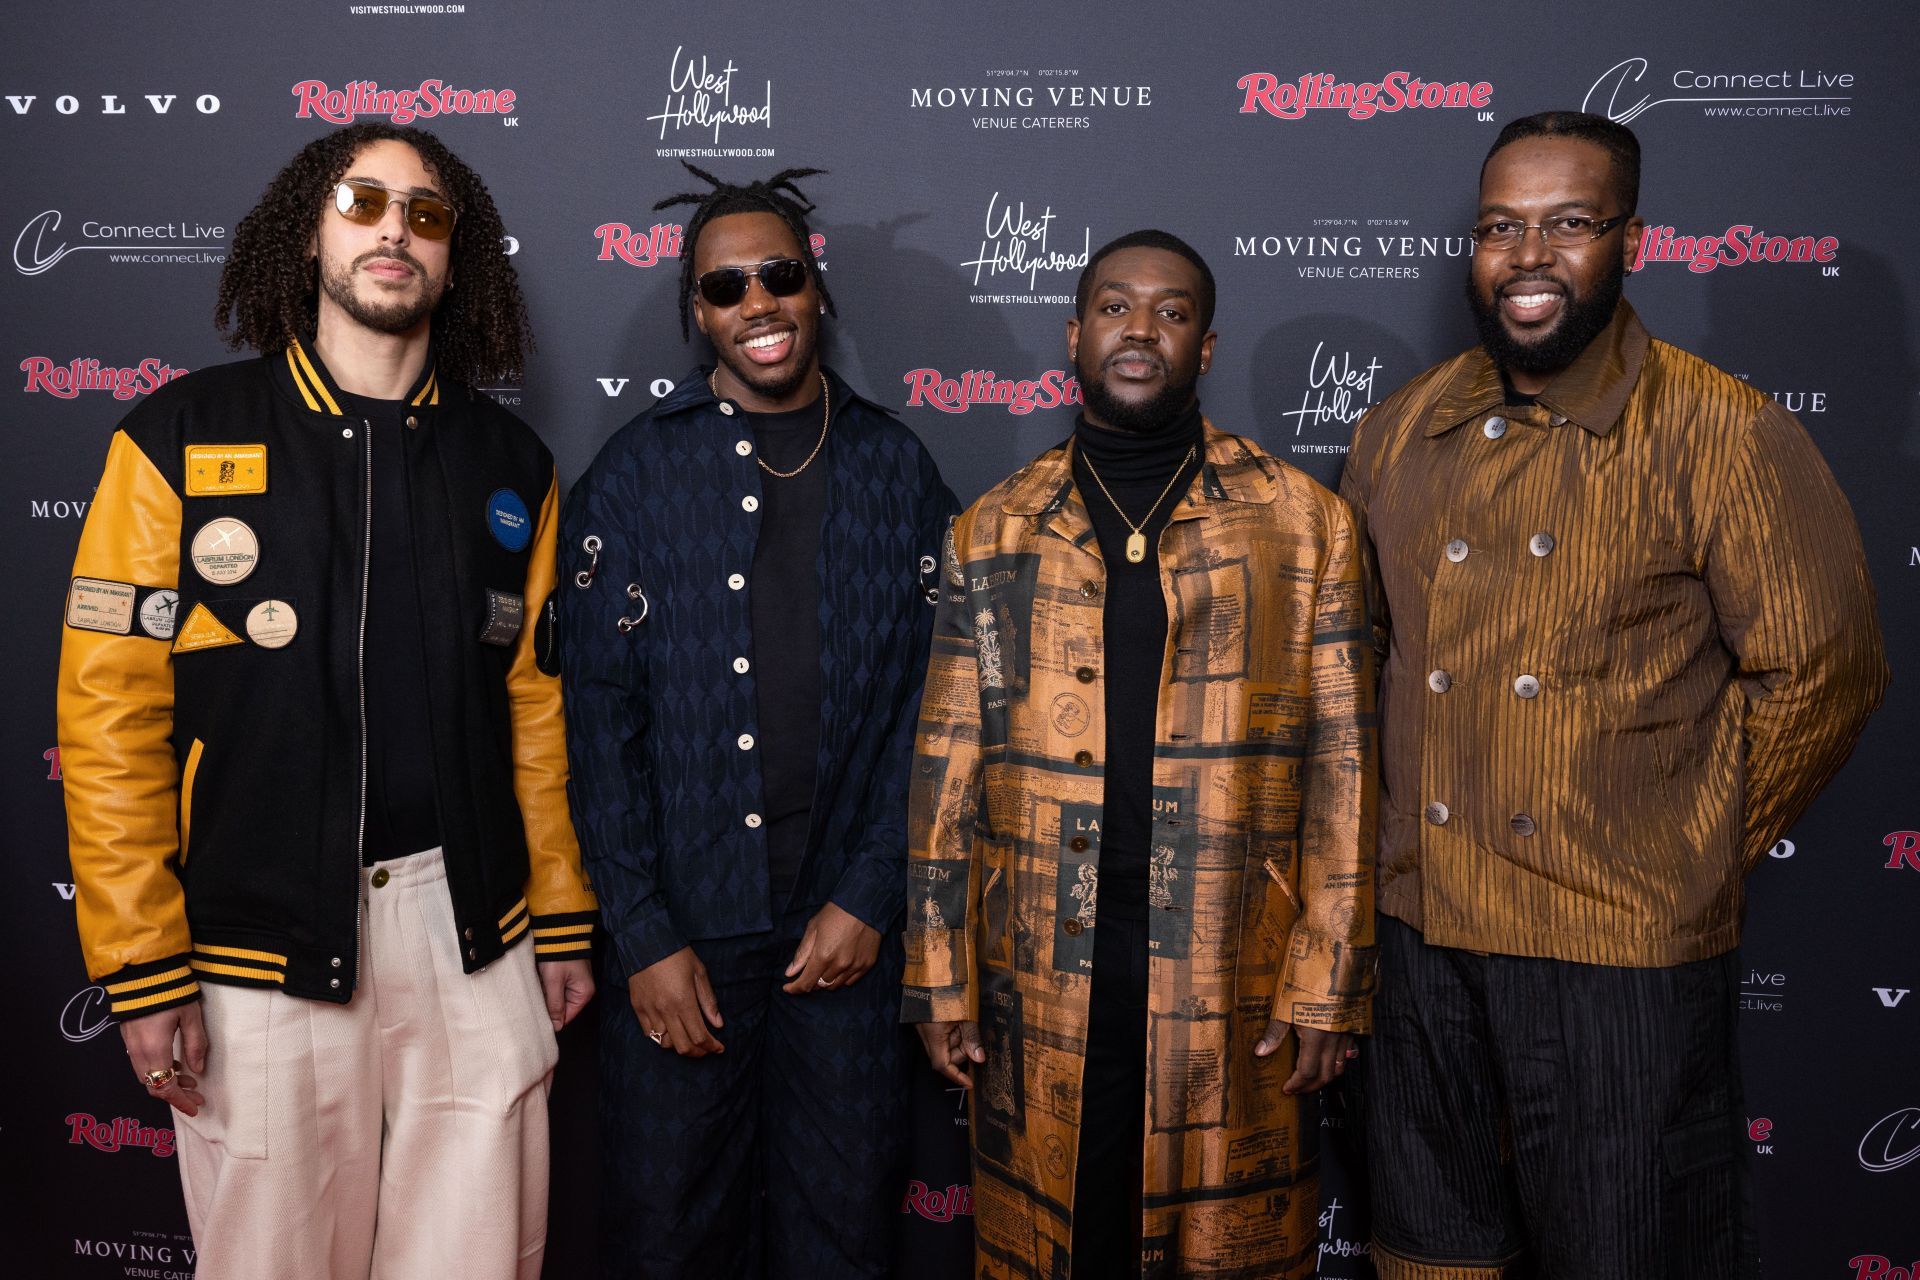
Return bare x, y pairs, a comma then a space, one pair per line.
742, 640
315, 774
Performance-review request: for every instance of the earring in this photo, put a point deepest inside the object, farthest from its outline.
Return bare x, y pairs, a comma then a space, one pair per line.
823, 308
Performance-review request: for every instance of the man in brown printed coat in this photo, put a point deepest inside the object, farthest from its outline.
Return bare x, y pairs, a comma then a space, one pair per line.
1140, 917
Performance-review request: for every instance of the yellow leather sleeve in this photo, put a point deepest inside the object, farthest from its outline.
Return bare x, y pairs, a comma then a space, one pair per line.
115, 729
561, 903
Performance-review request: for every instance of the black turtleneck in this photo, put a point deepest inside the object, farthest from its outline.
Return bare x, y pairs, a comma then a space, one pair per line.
1137, 468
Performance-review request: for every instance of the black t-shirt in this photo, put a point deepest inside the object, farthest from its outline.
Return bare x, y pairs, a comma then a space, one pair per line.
403, 813
785, 609
1136, 468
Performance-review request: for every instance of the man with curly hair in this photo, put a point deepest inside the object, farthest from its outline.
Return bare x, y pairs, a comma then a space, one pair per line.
315, 772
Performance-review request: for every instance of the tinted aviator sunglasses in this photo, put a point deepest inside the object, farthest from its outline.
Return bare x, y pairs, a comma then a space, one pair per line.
781, 277
428, 217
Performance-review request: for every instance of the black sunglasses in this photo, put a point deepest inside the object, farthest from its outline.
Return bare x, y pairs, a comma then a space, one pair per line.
781, 277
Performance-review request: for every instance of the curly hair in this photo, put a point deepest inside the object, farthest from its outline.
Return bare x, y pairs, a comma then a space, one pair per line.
776, 195
269, 289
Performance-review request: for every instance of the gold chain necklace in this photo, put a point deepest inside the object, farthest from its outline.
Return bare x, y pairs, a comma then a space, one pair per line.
826, 419
1137, 541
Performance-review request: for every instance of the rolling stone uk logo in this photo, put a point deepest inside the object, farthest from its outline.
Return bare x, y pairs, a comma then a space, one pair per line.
1395, 92
426, 101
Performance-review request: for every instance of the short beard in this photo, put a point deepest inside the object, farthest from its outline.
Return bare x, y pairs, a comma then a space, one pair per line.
773, 386
1585, 318
1134, 417
382, 317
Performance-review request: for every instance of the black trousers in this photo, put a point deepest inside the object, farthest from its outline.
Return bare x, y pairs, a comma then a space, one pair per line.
1585, 1117
1113, 1105
780, 1159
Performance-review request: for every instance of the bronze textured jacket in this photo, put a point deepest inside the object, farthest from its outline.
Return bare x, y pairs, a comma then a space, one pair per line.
1260, 898
1628, 636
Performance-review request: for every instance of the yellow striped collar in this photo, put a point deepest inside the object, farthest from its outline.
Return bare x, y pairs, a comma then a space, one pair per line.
317, 389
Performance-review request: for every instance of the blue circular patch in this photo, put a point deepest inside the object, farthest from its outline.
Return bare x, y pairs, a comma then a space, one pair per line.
507, 520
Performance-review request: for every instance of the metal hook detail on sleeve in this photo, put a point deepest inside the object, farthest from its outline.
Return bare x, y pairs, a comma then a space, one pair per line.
625, 624
591, 545
932, 593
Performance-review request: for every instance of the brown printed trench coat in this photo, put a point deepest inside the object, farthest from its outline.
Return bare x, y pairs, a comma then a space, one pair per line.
1261, 891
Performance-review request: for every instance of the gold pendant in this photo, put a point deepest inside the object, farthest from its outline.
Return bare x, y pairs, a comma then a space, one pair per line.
1136, 547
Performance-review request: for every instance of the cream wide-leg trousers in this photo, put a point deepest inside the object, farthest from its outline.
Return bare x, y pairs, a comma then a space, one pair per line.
401, 1136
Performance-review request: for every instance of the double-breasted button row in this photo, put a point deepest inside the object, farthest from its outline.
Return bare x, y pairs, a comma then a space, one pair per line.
1520, 824
1526, 686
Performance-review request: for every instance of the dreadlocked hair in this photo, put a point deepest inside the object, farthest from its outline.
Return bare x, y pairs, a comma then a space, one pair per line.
776, 195
269, 289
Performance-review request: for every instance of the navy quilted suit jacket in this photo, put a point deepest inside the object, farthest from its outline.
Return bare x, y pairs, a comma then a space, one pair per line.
666, 802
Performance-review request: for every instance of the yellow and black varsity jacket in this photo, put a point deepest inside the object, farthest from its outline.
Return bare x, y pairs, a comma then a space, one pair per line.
215, 763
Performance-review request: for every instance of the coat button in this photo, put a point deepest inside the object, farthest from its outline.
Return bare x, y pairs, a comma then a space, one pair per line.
1437, 813
753, 820
335, 962
745, 741
333, 984
1090, 589
1439, 681
1084, 675
740, 666
749, 503
1527, 686
1540, 544
467, 933
1073, 926
1457, 550
1522, 825
736, 581
1078, 844
1495, 428
473, 953
1558, 420
726, 408
380, 877
1083, 758
743, 447
346, 433
412, 421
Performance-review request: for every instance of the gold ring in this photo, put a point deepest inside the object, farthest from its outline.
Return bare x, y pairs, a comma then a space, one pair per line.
158, 1079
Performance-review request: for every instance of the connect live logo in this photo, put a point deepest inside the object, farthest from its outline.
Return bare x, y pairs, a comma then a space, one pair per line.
1391, 94
1893, 1142
40, 244
1754, 92
430, 98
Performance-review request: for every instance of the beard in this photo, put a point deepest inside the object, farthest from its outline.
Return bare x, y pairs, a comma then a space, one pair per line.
773, 384
1584, 317
1138, 417
397, 315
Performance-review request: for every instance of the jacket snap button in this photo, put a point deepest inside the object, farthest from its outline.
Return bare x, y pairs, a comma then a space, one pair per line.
1083, 758
1073, 926
380, 877
1078, 844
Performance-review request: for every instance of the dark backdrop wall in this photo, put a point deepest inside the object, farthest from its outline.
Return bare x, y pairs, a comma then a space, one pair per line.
976, 153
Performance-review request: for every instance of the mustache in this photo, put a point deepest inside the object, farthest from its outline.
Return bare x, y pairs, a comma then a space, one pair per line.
390, 255
1155, 357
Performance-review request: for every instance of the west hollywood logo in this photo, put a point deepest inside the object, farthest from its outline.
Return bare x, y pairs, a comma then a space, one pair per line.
1343, 248
1391, 94
1738, 246
702, 97
1340, 386
39, 246
113, 1135
1031, 98
1752, 93
929, 388
649, 246
67, 381
1021, 245
425, 101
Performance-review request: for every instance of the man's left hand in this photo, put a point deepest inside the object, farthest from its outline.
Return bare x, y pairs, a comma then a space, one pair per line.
1322, 1059
836, 951
567, 985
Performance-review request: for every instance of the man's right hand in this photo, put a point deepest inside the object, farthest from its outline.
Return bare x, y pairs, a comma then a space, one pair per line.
150, 1042
952, 1047
674, 998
